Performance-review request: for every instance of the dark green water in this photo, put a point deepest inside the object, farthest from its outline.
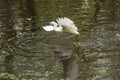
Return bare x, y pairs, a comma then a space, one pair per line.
27, 52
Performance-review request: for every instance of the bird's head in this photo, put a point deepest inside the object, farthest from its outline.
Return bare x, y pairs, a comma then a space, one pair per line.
53, 24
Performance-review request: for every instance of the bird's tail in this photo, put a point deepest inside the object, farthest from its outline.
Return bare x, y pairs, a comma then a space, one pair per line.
76, 32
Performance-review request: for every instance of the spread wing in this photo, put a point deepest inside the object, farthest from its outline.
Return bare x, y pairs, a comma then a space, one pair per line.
67, 23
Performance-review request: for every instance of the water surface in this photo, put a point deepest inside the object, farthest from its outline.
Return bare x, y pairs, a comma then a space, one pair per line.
27, 52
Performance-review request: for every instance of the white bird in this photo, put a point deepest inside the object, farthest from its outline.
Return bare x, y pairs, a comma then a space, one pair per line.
60, 24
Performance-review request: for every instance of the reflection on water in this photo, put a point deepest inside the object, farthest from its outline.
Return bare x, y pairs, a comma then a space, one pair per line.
28, 52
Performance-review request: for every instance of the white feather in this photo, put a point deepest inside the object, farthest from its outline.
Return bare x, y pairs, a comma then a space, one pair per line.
58, 29
76, 32
68, 24
48, 28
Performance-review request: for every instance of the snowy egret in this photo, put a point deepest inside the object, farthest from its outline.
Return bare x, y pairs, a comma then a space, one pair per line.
62, 24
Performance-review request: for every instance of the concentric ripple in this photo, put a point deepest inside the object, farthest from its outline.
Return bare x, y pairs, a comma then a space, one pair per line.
31, 44
25, 45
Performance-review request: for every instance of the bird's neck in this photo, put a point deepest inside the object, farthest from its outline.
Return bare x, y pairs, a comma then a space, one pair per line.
55, 25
